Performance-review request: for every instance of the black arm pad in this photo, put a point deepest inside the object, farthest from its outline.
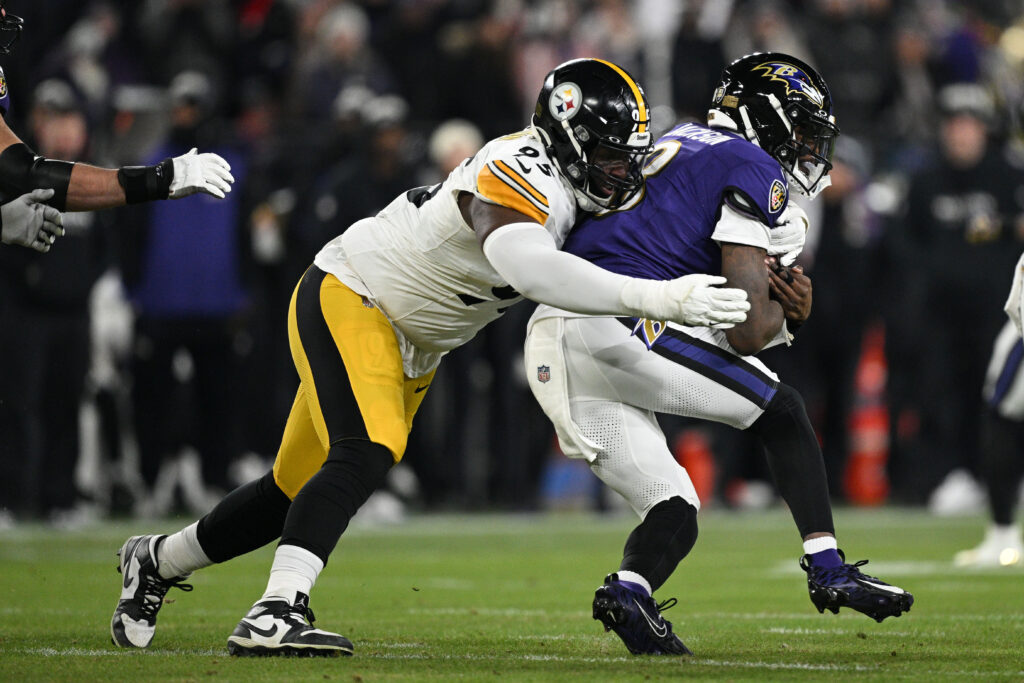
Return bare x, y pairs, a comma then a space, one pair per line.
22, 170
146, 183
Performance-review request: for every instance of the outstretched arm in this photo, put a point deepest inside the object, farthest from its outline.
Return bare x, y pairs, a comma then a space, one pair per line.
81, 187
524, 253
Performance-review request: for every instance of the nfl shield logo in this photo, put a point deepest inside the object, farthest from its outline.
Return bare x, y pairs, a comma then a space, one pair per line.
543, 373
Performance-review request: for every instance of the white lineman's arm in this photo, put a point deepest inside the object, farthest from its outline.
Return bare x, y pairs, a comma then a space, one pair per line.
789, 234
30, 223
1015, 302
525, 255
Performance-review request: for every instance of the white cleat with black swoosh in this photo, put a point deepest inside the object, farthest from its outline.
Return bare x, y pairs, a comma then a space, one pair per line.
275, 627
142, 592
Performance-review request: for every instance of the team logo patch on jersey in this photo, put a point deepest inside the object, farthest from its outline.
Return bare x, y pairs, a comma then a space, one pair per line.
565, 101
543, 373
649, 330
776, 196
795, 79
3, 84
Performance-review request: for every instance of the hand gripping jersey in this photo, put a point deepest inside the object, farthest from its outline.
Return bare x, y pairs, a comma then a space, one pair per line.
422, 265
673, 228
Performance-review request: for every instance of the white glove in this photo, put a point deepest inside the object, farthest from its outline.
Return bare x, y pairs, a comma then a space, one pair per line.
206, 172
30, 223
688, 300
786, 239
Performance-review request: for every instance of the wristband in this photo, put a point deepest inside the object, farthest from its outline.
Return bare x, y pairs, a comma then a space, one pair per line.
146, 183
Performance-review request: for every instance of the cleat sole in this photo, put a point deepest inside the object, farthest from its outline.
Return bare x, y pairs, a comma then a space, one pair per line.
236, 650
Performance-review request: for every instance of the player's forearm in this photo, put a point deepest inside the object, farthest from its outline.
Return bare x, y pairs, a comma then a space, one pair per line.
762, 326
744, 268
81, 187
528, 260
93, 188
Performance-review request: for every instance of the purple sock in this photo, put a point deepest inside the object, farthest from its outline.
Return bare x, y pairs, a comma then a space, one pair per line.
635, 587
826, 559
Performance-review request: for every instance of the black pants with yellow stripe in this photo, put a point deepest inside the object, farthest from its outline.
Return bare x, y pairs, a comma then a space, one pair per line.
349, 423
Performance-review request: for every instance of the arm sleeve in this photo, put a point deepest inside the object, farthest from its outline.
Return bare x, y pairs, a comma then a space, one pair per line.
525, 255
740, 228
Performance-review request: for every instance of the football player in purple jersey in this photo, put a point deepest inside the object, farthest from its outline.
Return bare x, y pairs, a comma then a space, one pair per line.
716, 201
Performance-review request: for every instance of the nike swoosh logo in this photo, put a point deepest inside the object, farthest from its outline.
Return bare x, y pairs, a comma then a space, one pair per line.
132, 570
891, 589
659, 630
265, 632
419, 389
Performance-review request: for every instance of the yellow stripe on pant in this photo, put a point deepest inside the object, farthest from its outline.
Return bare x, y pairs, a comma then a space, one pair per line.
351, 381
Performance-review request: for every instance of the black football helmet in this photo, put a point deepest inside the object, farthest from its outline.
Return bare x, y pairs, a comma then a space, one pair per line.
783, 106
595, 122
10, 28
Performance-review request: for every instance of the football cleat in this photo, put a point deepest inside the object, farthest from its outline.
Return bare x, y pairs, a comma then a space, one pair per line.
845, 586
142, 592
636, 619
275, 627
1002, 547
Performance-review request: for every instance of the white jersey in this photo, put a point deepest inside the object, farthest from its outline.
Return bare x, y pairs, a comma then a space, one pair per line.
423, 266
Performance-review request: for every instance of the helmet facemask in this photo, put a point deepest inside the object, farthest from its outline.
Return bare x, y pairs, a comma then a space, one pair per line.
783, 106
10, 29
806, 152
608, 172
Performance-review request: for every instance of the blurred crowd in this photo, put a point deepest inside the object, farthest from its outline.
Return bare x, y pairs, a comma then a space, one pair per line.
144, 364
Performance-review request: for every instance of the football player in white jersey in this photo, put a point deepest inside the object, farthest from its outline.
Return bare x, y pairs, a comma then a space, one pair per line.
372, 317
70, 186
1002, 466
715, 202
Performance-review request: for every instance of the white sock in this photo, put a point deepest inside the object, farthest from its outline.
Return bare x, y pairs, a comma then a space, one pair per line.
294, 571
180, 554
633, 577
1008, 534
816, 545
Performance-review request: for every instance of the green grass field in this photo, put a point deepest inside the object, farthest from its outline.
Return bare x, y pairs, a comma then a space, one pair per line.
508, 598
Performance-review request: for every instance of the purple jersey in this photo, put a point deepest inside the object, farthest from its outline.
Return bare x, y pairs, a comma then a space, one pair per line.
5, 97
668, 233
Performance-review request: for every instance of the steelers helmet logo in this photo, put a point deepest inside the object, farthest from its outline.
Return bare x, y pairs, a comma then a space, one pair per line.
776, 196
565, 101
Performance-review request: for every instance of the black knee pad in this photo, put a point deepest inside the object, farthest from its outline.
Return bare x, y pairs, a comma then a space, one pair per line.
321, 511
246, 519
661, 541
787, 404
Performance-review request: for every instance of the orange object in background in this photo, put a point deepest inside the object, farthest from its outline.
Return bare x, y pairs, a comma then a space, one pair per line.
865, 481
692, 450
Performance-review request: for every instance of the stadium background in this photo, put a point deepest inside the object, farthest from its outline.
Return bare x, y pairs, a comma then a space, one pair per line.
332, 108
